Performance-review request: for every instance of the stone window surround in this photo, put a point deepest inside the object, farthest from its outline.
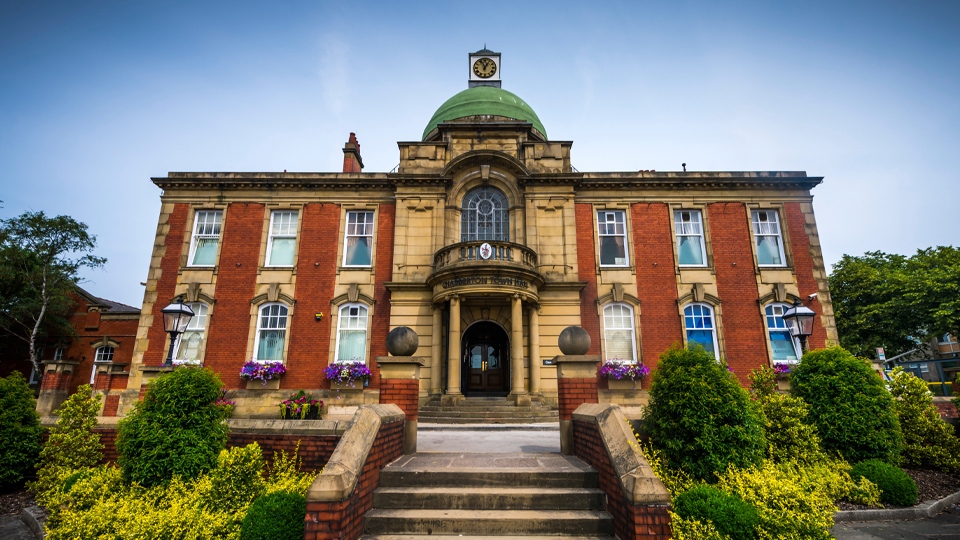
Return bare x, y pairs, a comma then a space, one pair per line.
767, 330
714, 305
253, 338
707, 242
784, 235
345, 208
188, 235
265, 240
628, 233
338, 303
637, 354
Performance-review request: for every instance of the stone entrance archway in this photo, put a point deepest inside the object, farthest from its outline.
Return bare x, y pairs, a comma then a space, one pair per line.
485, 360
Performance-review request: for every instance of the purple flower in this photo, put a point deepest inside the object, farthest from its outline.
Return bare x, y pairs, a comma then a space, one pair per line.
781, 369
347, 372
262, 371
615, 369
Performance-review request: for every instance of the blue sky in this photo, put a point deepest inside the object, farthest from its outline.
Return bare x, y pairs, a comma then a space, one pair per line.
97, 97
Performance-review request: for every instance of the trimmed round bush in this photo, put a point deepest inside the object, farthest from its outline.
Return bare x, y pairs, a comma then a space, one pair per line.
699, 416
790, 434
176, 430
19, 430
896, 486
275, 516
849, 404
730, 515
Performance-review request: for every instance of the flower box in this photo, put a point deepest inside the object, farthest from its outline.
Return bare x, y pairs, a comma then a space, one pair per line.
623, 384
300, 406
355, 386
272, 384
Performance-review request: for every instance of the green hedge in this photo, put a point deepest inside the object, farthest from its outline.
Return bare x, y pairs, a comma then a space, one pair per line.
729, 514
700, 417
896, 486
849, 404
275, 516
19, 431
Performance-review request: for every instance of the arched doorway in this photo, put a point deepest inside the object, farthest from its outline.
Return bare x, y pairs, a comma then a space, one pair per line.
486, 360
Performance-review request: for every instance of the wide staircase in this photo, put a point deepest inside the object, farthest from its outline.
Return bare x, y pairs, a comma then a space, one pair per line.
487, 410
446, 496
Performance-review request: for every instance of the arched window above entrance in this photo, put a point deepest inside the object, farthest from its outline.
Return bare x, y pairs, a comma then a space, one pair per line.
485, 215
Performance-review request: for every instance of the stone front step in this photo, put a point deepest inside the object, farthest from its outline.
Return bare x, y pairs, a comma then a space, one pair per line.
486, 410
487, 523
488, 495
463, 537
489, 498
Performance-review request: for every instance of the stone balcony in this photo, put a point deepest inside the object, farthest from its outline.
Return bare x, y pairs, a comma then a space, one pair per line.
465, 267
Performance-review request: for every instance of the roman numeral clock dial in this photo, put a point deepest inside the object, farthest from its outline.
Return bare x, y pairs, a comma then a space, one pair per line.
484, 68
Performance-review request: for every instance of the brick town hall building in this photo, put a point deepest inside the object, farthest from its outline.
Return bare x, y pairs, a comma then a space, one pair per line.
487, 243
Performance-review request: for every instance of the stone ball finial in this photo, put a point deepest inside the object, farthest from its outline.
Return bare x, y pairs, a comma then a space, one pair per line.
574, 341
402, 341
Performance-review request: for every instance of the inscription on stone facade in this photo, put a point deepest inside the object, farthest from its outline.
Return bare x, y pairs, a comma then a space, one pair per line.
502, 281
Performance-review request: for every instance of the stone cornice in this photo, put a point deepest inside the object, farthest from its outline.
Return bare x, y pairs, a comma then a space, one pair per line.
699, 180
266, 180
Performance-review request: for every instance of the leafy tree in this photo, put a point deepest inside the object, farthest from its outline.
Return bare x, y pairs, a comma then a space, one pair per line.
19, 430
699, 416
849, 405
72, 444
40, 262
894, 301
177, 430
930, 441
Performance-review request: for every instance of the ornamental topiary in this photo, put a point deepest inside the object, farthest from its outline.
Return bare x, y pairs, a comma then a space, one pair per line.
896, 486
275, 516
699, 416
930, 441
729, 514
790, 435
177, 430
72, 444
19, 430
849, 405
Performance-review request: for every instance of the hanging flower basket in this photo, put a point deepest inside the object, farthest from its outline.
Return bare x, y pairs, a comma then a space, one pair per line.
300, 406
347, 375
782, 371
621, 374
262, 371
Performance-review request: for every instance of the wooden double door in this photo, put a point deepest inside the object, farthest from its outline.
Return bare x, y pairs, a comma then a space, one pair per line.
486, 357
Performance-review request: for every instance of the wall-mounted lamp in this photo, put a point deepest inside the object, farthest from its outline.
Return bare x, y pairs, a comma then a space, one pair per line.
318, 316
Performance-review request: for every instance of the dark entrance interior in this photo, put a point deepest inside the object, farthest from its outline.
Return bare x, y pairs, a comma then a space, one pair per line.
486, 359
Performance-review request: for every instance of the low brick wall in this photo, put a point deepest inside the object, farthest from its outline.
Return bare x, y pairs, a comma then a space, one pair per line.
637, 500
317, 438
341, 496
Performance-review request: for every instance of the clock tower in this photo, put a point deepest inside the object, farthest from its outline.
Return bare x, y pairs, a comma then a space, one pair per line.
484, 68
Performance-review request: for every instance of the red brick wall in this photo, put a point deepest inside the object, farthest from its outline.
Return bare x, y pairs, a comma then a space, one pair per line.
803, 266
229, 324
575, 392
629, 520
166, 284
314, 452
745, 341
660, 323
383, 273
344, 520
402, 392
587, 271
111, 404
316, 270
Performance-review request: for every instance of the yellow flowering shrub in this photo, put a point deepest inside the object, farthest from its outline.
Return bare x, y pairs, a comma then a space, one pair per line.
101, 504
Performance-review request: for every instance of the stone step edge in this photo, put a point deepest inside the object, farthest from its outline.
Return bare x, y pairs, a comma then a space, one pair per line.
532, 426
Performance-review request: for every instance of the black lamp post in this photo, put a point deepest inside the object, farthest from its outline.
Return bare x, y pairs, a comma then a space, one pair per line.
176, 317
799, 320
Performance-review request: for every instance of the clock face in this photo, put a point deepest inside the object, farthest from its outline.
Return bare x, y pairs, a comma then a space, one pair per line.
484, 68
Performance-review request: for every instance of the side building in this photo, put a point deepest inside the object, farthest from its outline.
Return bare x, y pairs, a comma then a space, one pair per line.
488, 243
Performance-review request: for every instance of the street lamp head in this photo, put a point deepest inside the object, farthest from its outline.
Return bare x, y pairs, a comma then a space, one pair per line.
176, 316
799, 320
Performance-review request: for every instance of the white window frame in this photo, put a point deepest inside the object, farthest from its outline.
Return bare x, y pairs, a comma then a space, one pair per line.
103, 355
58, 354
363, 311
211, 230
713, 321
780, 326
358, 227
768, 228
197, 324
282, 311
289, 222
626, 314
619, 218
690, 229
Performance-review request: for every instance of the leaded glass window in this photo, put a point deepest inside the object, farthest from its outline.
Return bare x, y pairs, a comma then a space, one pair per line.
485, 215
699, 324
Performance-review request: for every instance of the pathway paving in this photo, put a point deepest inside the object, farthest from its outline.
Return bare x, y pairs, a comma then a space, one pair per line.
11, 528
505, 438
945, 526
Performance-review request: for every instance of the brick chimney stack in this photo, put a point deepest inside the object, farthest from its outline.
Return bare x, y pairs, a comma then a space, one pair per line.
352, 162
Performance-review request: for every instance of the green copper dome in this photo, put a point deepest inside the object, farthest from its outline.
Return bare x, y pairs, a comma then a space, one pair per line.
484, 101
